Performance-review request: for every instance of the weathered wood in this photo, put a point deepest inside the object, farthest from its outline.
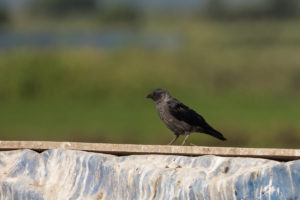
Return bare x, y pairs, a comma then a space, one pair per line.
127, 149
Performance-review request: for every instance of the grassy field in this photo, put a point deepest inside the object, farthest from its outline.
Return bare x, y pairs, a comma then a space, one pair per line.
243, 77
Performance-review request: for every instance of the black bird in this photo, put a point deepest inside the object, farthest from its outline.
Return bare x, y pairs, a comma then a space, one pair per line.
179, 118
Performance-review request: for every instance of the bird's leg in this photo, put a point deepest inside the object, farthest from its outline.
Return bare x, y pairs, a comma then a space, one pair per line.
174, 139
186, 137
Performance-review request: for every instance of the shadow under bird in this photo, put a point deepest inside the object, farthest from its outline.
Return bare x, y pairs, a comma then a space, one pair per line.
179, 118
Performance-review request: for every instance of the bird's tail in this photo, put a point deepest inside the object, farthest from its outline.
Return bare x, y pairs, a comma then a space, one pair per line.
215, 133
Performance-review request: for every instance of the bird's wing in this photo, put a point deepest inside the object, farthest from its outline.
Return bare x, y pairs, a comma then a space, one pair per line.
184, 113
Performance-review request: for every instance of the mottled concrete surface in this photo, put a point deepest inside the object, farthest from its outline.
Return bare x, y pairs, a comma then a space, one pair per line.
68, 174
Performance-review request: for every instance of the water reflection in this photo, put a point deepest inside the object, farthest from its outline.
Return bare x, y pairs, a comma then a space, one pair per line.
98, 39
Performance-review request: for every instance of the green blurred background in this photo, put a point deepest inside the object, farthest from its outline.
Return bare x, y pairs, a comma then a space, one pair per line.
79, 70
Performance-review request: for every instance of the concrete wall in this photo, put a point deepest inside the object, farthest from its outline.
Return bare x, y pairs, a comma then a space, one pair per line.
69, 174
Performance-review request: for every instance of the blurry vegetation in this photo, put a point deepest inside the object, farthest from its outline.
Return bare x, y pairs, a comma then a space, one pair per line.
280, 9
120, 13
241, 75
63, 8
284, 9
4, 19
109, 13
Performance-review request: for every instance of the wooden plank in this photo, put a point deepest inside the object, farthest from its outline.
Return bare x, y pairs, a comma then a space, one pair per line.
128, 149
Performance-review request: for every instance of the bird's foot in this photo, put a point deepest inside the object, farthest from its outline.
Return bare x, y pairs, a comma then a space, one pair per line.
186, 137
174, 139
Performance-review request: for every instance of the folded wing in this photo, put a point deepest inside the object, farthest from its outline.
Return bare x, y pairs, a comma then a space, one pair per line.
184, 113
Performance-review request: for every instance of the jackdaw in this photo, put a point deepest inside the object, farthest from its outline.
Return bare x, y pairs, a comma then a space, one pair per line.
179, 118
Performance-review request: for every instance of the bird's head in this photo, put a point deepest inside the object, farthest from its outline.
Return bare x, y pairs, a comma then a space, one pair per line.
158, 95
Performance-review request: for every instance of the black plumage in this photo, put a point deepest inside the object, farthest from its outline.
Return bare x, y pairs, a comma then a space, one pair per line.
179, 118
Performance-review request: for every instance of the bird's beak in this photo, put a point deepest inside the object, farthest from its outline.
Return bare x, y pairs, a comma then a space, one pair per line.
149, 96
